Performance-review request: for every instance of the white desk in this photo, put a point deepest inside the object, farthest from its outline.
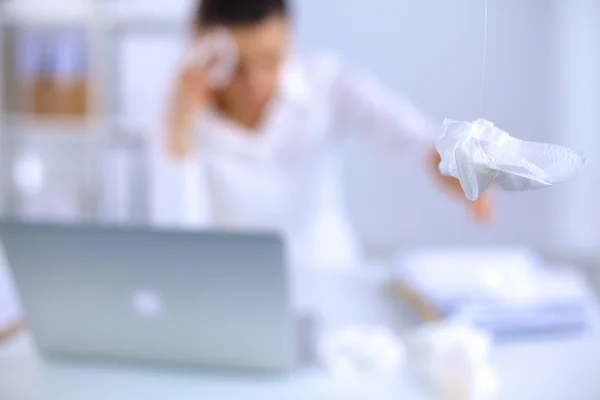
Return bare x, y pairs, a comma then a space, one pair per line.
550, 370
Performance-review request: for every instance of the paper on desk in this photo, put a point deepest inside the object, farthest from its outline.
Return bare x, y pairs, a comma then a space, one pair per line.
557, 302
512, 276
505, 292
455, 272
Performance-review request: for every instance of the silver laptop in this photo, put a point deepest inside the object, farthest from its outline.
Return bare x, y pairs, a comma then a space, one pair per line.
134, 294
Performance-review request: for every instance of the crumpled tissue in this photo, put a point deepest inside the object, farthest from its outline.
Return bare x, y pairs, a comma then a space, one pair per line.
217, 45
453, 359
478, 153
361, 352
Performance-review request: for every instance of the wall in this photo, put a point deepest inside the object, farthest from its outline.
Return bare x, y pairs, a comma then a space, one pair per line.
432, 51
576, 104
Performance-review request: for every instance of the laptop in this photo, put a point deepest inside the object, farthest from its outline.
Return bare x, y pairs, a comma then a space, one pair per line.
134, 294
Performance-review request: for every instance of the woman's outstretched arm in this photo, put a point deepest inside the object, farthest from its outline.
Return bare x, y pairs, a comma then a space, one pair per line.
366, 105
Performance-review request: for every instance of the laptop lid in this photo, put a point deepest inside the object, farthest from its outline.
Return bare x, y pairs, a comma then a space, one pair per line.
138, 294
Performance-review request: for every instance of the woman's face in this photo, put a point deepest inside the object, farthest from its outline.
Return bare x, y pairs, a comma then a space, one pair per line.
262, 50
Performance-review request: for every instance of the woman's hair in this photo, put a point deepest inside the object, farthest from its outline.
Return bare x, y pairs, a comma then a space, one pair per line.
238, 12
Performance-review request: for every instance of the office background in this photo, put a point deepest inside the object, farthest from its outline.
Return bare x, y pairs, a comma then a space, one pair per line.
542, 82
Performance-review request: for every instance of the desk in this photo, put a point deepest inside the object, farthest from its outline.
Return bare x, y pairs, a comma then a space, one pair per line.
550, 370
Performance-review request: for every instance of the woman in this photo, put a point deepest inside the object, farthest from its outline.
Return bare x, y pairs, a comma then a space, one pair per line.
252, 154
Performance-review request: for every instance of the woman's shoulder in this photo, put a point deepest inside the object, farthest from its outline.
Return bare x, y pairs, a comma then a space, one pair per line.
314, 73
320, 66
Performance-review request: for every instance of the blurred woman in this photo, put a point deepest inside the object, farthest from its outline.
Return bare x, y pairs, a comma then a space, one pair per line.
253, 153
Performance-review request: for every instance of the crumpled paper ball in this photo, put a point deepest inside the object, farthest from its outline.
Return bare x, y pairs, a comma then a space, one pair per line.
453, 360
478, 154
362, 351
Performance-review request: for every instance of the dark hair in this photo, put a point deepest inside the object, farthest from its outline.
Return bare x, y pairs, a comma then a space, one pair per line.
238, 12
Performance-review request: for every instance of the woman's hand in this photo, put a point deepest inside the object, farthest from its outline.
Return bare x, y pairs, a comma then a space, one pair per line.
481, 209
190, 96
12, 330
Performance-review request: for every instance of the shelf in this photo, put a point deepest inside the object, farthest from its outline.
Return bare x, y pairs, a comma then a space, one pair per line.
77, 148
40, 14
26, 125
146, 25
106, 24
89, 14
128, 128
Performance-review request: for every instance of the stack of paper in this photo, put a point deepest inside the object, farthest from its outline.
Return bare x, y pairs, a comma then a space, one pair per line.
505, 291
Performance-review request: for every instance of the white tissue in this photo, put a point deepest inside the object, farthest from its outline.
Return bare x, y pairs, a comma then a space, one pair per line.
477, 153
453, 359
220, 45
362, 351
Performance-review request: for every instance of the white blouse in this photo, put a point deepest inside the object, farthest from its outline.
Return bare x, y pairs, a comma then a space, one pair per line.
284, 175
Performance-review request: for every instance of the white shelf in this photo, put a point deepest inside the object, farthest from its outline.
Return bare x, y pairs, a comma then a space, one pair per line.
26, 125
75, 144
105, 22
106, 14
48, 13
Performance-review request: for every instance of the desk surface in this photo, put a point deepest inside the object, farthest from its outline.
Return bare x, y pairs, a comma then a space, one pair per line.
551, 370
